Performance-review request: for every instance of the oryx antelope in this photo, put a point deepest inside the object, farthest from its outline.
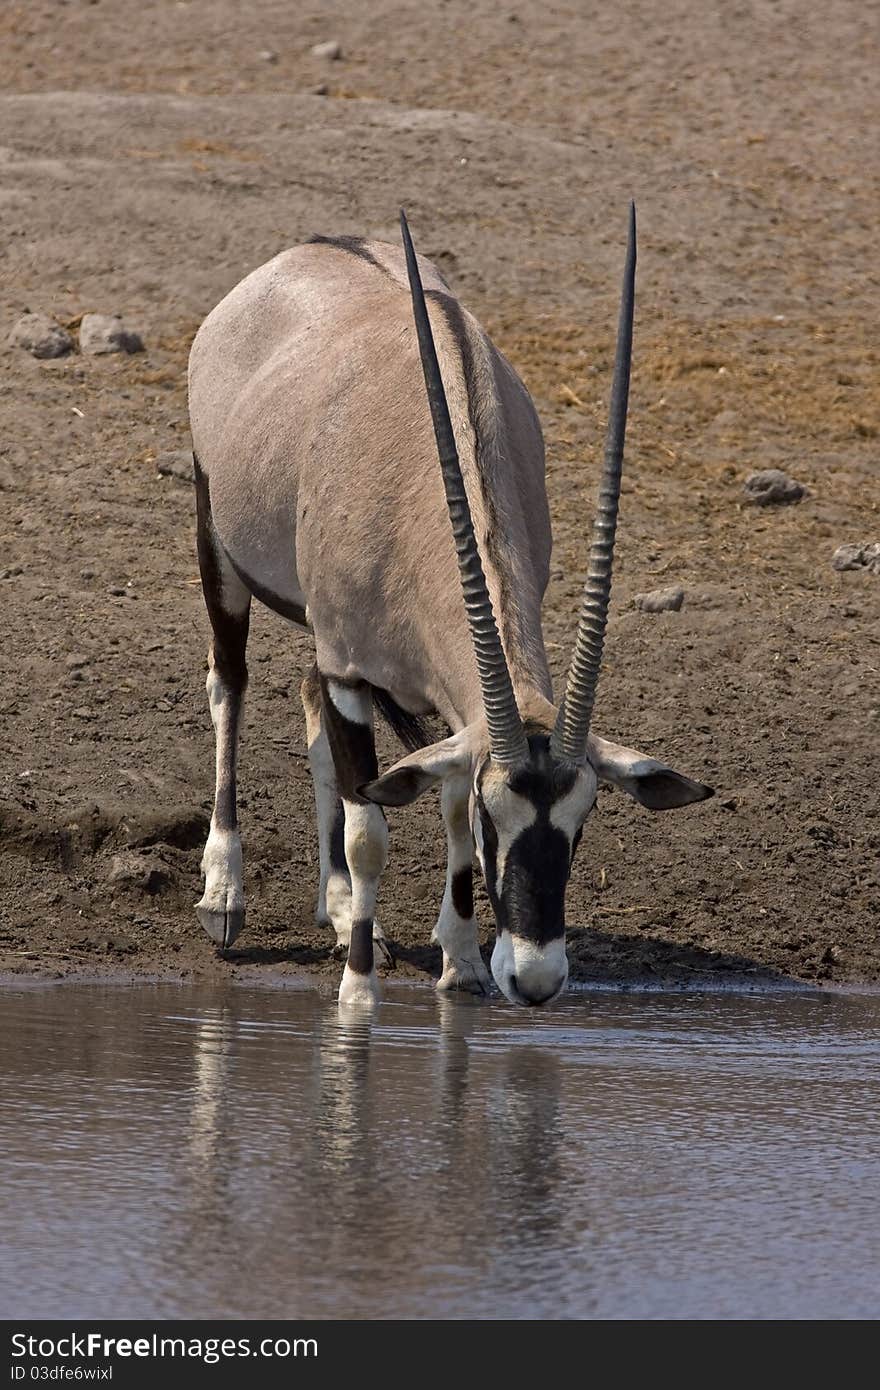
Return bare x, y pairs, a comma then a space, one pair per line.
319, 493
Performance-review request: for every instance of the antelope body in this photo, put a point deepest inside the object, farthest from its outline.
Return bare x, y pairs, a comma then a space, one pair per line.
319, 493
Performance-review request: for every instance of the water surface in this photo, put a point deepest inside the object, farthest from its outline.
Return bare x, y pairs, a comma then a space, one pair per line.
187, 1151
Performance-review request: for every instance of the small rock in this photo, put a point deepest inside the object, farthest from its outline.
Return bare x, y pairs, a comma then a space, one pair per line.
661, 600
87, 572
75, 660
330, 51
848, 557
176, 463
771, 487
145, 872
117, 591
83, 713
321, 90
268, 55
41, 336
857, 557
101, 333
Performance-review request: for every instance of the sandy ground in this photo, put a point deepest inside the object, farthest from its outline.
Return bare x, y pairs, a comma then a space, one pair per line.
150, 156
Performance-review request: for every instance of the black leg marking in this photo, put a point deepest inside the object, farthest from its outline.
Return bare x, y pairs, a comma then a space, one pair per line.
353, 748
338, 861
365, 835
463, 892
360, 952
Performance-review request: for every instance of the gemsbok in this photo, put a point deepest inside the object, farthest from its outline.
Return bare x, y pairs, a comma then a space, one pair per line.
318, 493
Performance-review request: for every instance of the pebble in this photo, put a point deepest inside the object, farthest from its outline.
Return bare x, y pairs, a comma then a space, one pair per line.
83, 713
771, 487
176, 463
146, 872
102, 333
41, 336
857, 557
661, 600
117, 591
76, 660
331, 50
87, 572
268, 55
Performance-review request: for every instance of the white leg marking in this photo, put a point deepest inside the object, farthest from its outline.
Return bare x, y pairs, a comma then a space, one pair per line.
359, 991
221, 908
463, 966
354, 704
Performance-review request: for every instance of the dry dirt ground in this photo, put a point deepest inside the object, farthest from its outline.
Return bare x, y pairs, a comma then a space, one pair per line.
150, 156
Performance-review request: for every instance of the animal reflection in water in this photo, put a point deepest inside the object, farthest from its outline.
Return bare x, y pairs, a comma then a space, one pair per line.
360, 1147
318, 493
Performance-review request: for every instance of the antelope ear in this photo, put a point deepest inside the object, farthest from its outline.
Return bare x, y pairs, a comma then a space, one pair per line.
652, 783
418, 771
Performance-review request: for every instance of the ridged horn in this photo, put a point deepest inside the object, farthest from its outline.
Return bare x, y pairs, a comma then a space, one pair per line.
507, 741
569, 738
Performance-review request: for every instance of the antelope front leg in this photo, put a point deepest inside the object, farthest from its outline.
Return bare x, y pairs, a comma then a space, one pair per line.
456, 929
334, 890
348, 716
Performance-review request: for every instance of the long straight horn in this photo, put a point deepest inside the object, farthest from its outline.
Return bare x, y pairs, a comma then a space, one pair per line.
507, 741
573, 720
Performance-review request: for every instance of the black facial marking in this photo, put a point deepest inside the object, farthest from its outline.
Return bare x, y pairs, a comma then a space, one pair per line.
354, 245
338, 862
463, 892
352, 747
535, 878
538, 863
360, 951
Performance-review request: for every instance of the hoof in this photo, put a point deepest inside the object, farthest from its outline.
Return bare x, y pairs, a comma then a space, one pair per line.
471, 976
223, 927
359, 991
